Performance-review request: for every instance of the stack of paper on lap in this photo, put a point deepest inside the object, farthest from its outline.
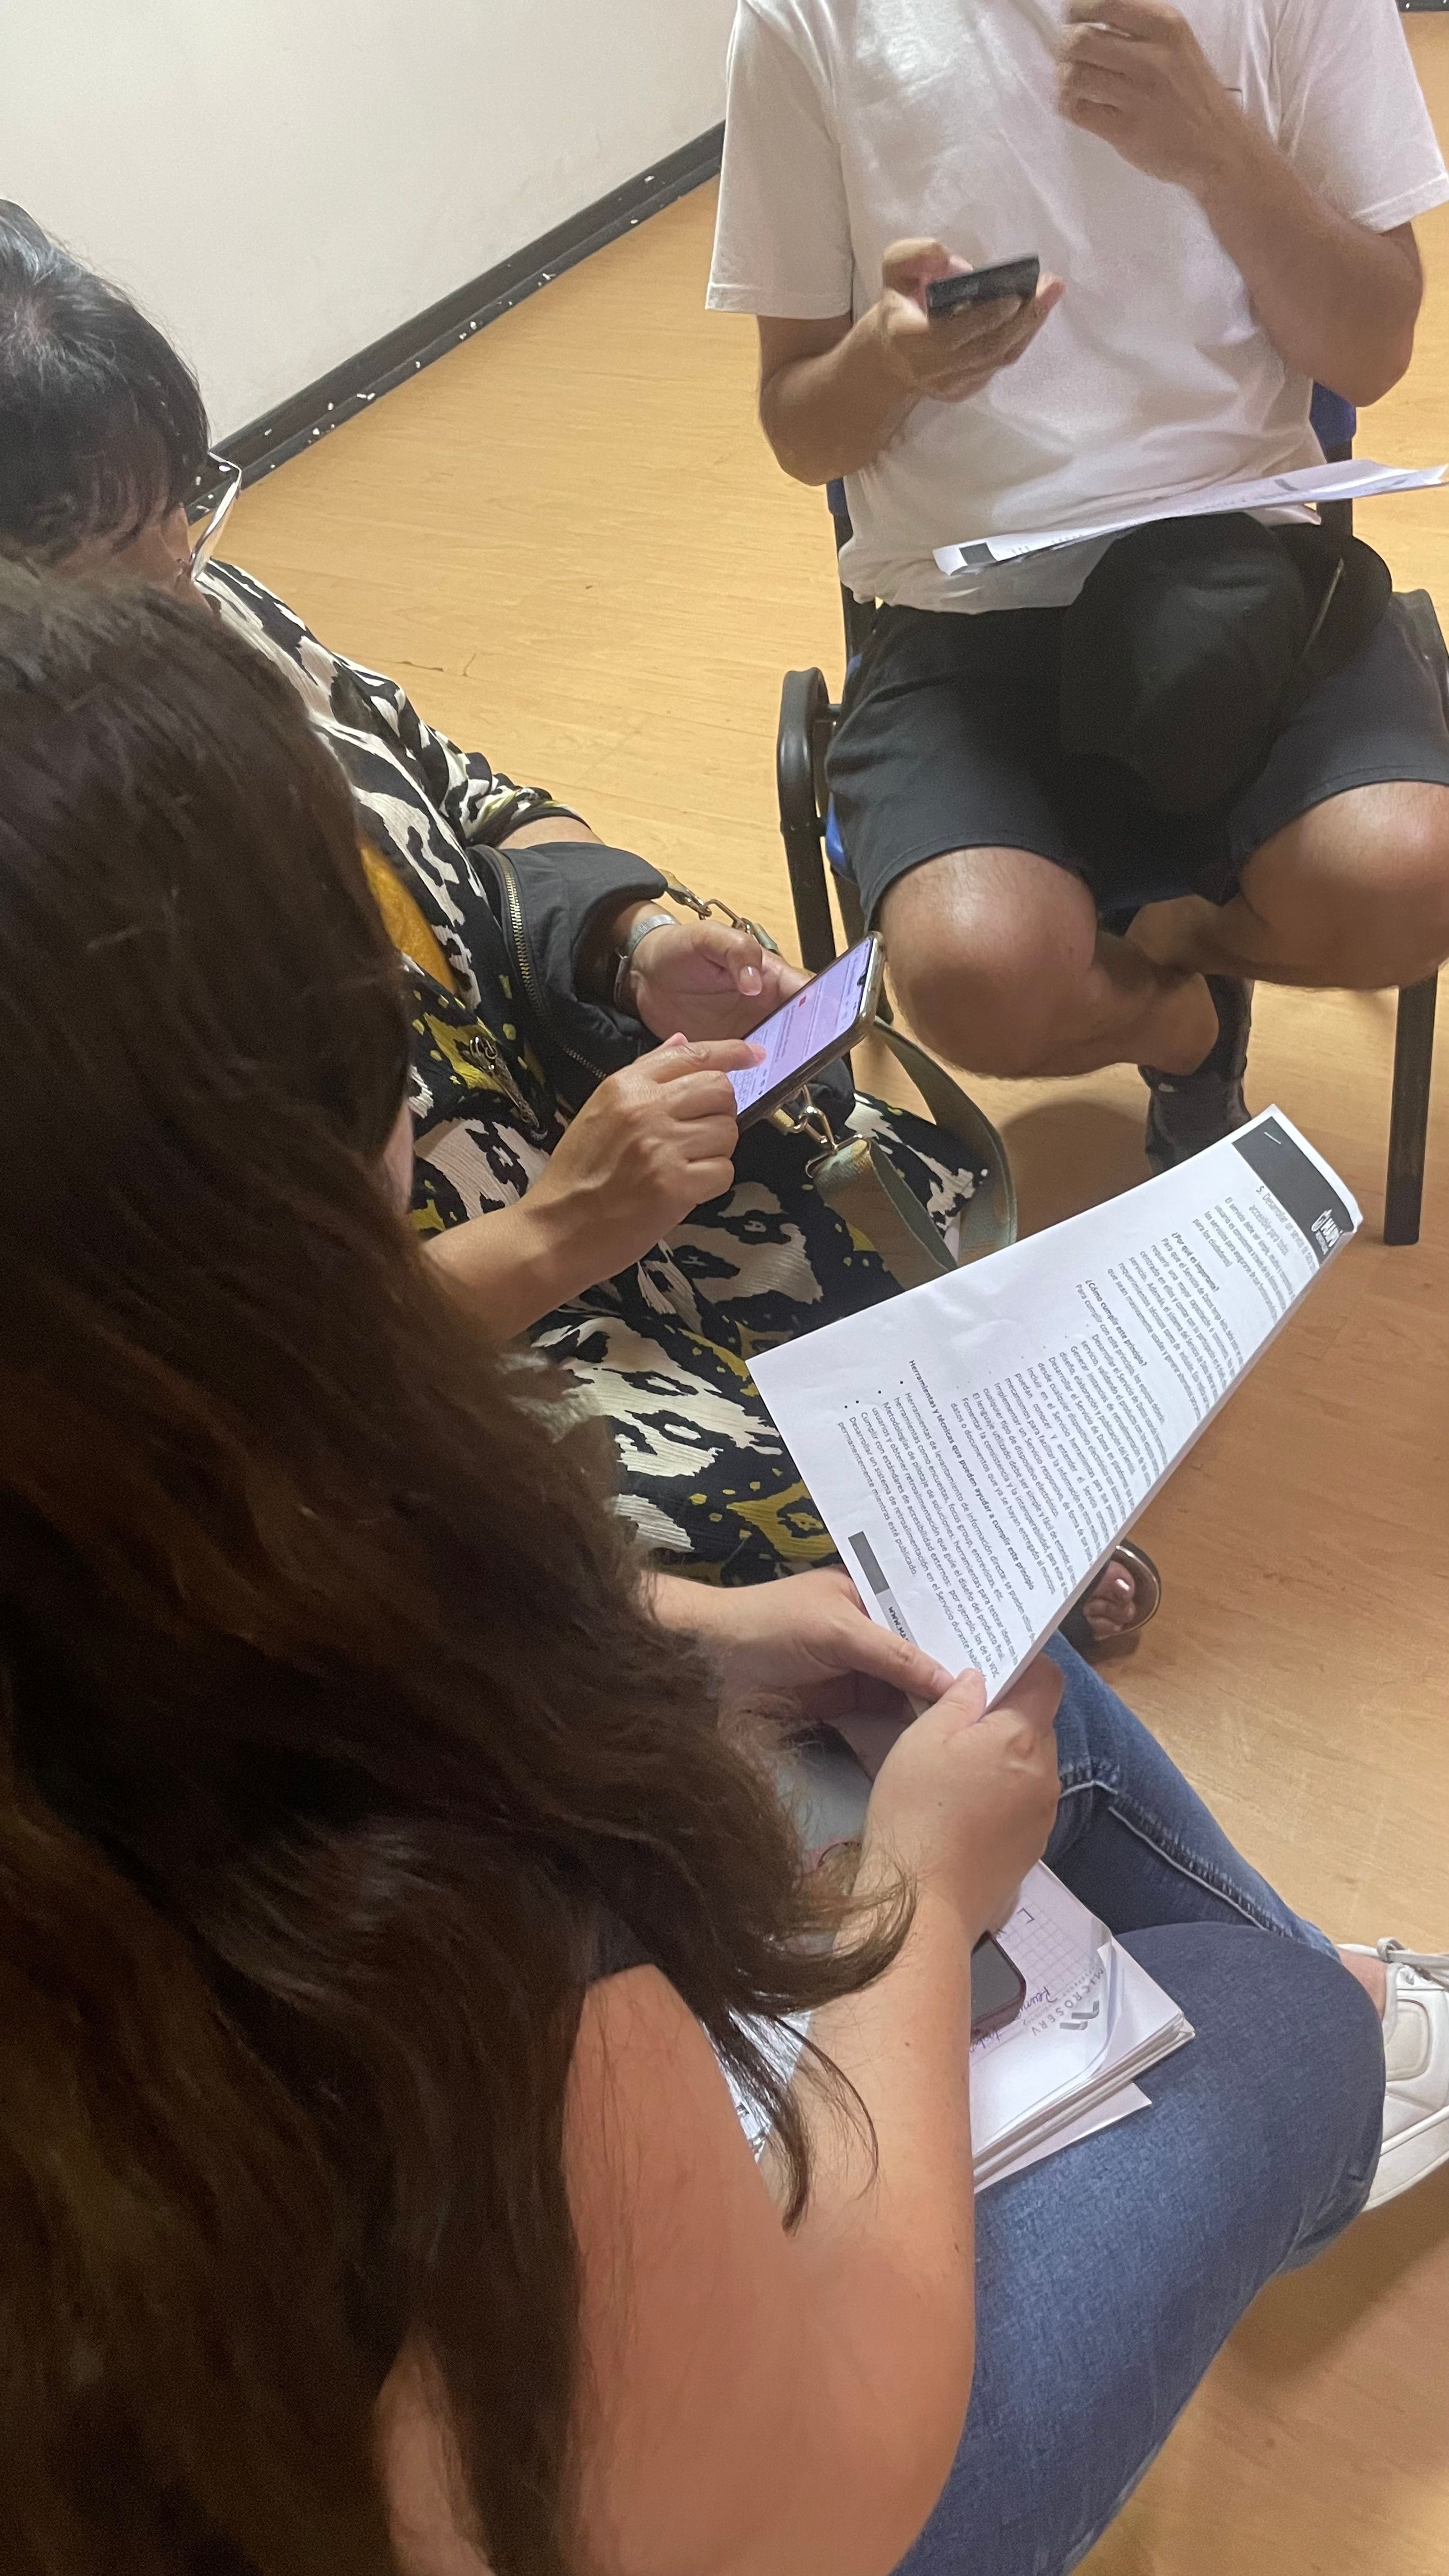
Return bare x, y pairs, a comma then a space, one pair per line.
1291, 495
1092, 2023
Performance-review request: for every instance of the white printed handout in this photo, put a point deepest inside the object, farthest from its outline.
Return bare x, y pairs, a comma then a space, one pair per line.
1283, 495
977, 1446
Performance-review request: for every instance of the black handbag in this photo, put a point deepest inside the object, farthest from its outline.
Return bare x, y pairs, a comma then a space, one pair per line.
1192, 642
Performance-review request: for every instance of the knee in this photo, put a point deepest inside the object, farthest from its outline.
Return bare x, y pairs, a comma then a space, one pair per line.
1289, 2038
987, 1021
985, 994
1377, 913
1323, 2035
1345, 2077
1416, 894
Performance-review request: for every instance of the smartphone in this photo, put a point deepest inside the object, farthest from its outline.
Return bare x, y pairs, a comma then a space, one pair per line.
983, 286
827, 1017
998, 1988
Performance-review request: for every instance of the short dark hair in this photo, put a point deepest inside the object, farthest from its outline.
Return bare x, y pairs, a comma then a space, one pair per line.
102, 425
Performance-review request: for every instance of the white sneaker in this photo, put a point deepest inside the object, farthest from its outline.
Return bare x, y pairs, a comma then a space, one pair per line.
1416, 2054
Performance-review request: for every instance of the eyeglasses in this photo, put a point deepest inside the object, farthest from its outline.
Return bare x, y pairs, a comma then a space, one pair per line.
217, 486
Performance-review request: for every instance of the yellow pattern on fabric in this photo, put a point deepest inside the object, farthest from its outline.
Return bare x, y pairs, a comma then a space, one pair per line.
728, 1359
404, 922
452, 1046
769, 1339
790, 1524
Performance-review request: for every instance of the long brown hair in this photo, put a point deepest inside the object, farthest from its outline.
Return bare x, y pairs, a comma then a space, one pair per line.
335, 1737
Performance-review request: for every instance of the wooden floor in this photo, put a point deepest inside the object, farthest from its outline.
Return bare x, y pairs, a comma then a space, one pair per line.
569, 542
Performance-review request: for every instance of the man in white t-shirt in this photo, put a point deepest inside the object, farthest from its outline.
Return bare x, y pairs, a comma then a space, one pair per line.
1222, 202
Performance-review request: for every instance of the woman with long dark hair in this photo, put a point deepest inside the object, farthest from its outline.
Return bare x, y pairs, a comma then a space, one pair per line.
380, 1899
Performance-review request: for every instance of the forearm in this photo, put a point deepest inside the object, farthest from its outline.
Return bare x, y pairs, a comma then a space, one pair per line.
833, 413
1338, 302
735, 1629
513, 1266
722, 1619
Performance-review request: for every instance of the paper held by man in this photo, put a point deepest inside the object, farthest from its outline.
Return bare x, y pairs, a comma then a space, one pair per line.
1281, 494
976, 1447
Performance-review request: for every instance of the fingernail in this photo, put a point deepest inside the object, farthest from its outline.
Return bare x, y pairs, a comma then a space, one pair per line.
751, 980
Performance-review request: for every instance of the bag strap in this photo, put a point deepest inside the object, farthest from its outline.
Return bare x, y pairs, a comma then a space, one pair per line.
858, 1180
950, 1106
864, 1189
989, 1219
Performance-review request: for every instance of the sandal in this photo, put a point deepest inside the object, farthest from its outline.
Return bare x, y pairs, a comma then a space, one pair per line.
1147, 1587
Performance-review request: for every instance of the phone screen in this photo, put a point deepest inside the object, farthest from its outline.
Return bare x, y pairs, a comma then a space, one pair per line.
821, 1016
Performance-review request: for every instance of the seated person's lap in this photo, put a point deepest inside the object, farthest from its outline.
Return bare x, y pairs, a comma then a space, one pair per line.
1259, 2145
949, 740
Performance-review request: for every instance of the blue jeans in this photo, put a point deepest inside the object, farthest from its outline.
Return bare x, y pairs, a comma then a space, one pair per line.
1108, 2277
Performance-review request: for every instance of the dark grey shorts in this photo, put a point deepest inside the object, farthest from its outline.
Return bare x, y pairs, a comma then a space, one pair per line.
949, 740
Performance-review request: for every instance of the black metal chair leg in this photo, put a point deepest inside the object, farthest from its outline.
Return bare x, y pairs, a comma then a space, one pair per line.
1409, 1119
847, 895
804, 703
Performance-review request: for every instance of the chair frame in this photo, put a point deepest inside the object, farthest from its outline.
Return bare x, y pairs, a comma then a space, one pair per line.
808, 718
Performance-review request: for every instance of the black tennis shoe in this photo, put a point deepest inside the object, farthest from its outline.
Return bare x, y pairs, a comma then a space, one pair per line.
1190, 1110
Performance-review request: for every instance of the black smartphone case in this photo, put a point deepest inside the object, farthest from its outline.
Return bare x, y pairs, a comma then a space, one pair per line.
998, 1988
1019, 277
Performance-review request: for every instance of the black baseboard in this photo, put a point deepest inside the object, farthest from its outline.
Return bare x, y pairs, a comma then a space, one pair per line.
348, 389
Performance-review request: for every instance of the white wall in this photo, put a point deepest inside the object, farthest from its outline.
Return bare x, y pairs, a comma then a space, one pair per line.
279, 182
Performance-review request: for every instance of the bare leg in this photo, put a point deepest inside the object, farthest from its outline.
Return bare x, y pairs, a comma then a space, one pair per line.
999, 963
1355, 893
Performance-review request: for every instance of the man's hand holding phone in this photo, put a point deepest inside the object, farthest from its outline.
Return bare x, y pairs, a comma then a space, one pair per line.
950, 359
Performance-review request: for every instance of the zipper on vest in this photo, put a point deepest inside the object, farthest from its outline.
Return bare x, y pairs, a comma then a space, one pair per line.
528, 971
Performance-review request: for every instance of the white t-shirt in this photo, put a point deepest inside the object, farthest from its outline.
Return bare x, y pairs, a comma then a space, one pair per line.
856, 123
